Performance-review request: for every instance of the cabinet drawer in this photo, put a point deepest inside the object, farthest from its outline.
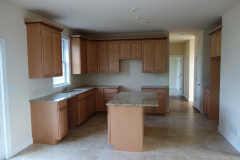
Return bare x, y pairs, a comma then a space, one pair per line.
154, 90
110, 91
62, 104
86, 94
109, 95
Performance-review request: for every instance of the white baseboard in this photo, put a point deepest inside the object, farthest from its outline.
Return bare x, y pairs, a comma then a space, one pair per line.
229, 139
167, 110
22, 146
185, 97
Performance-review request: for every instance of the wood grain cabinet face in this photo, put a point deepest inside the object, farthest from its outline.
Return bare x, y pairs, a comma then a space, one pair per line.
102, 51
63, 122
148, 109
124, 49
136, 49
57, 58
91, 57
161, 104
159, 56
100, 100
113, 59
218, 43
81, 111
147, 56
213, 45
47, 52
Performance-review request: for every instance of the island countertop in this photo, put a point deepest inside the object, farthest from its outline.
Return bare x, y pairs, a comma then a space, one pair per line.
153, 87
134, 99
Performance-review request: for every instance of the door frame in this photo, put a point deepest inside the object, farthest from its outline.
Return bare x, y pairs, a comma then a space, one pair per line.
195, 77
181, 71
5, 120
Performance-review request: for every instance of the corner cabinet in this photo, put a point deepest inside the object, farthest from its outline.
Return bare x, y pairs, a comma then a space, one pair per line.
215, 42
44, 49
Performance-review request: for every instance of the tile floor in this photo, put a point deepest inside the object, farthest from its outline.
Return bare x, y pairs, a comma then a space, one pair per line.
177, 136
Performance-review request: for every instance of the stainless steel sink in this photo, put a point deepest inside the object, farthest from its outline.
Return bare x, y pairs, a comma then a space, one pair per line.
74, 91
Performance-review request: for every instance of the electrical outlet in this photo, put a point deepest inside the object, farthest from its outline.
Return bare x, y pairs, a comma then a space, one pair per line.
42, 87
10, 89
233, 129
99, 79
162, 79
153, 79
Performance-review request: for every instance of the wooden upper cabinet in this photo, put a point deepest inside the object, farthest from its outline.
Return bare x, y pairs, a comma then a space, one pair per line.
113, 59
218, 43
44, 49
78, 55
102, 51
159, 57
124, 50
136, 49
92, 57
147, 56
215, 41
47, 52
57, 48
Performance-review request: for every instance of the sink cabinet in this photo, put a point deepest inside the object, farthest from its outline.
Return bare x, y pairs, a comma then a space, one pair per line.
49, 121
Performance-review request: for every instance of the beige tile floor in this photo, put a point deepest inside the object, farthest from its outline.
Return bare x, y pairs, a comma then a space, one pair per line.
177, 136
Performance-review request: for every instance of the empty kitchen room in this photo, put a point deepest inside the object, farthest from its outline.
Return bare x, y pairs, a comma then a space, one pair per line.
120, 80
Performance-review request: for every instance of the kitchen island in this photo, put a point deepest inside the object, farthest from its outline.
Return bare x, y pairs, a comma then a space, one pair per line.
126, 119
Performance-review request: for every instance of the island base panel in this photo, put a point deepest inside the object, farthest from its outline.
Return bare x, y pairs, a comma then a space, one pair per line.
126, 128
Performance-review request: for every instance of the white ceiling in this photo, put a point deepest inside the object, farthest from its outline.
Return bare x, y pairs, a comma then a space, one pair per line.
114, 16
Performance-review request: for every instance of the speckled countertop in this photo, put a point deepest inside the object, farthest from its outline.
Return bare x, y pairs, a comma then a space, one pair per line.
57, 97
153, 87
134, 99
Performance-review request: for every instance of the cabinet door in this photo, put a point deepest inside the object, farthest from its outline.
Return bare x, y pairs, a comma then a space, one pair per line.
47, 52
100, 100
106, 101
212, 45
63, 122
218, 43
124, 49
81, 111
83, 56
136, 49
161, 104
148, 109
102, 57
57, 53
113, 60
147, 56
159, 55
207, 108
91, 57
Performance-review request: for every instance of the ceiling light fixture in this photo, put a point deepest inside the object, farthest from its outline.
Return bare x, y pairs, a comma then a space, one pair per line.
133, 9
182, 34
68, 12
137, 18
205, 26
96, 30
149, 28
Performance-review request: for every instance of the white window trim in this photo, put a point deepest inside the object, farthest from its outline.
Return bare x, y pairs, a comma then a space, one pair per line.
5, 120
57, 88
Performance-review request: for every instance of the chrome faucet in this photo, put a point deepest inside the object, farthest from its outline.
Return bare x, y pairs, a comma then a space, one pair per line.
66, 87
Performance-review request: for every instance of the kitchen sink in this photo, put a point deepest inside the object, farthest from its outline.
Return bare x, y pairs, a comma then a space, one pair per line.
75, 91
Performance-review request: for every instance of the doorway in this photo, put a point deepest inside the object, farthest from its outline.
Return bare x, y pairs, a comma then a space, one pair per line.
175, 75
198, 78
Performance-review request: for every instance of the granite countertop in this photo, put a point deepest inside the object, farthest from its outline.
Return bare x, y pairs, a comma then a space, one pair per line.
154, 87
58, 97
134, 99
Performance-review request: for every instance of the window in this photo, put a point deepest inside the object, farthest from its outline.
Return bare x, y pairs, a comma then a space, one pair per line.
65, 78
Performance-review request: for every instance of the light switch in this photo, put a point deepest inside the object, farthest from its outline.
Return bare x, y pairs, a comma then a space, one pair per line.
153, 79
162, 79
10, 89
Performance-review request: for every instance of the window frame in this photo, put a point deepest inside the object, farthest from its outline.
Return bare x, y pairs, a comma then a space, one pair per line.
66, 48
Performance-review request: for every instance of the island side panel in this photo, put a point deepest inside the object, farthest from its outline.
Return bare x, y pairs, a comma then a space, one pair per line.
126, 128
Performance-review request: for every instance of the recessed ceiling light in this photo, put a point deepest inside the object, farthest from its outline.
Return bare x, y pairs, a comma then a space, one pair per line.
148, 28
133, 9
205, 26
148, 22
137, 18
97, 30
68, 12
182, 34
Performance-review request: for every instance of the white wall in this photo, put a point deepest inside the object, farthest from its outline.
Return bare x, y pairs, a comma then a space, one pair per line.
230, 74
13, 30
173, 72
176, 48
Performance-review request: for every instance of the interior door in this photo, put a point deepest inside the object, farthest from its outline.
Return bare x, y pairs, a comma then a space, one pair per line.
180, 76
198, 79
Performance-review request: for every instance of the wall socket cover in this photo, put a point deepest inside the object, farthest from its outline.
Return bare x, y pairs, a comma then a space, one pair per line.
10, 89
153, 79
42, 87
162, 79
99, 79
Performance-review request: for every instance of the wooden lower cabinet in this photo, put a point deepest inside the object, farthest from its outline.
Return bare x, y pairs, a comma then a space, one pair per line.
80, 108
161, 109
206, 101
49, 121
